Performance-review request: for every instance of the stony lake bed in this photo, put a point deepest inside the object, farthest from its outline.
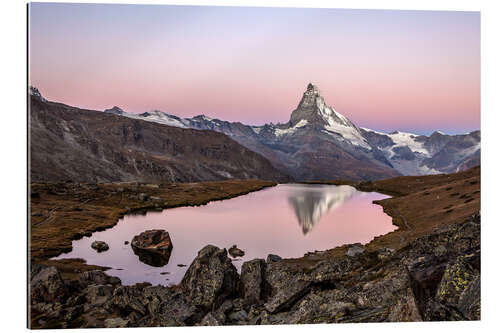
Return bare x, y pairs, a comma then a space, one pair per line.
426, 269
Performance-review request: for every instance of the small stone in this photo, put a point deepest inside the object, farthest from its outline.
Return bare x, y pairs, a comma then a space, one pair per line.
143, 197
440, 250
156, 199
100, 246
209, 320
115, 323
241, 315
97, 277
235, 252
273, 258
355, 249
385, 253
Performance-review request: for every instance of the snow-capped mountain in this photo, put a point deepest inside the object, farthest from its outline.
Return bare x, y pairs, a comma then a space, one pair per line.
320, 143
316, 143
312, 109
413, 154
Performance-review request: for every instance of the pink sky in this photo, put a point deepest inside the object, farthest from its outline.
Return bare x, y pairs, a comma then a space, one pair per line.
387, 70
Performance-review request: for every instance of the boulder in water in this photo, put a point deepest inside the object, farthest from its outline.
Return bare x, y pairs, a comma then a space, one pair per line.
100, 246
153, 247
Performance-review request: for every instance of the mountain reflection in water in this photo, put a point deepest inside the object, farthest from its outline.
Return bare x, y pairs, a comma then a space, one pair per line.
312, 203
259, 223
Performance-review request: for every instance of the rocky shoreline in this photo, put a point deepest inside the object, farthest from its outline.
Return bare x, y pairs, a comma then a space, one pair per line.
435, 277
65, 211
428, 269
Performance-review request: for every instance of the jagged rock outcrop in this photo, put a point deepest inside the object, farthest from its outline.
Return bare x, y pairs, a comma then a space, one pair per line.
97, 277
211, 278
47, 286
253, 283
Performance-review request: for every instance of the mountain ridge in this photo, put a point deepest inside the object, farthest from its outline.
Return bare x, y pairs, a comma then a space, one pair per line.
319, 143
73, 144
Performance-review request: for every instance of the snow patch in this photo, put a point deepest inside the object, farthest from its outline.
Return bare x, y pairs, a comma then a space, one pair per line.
402, 139
349, 133
257, 130
159, 117
287, 131
205, 117
373, 131
225, 174
471, 150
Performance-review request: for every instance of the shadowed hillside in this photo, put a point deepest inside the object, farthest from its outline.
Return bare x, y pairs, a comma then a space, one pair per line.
69, 143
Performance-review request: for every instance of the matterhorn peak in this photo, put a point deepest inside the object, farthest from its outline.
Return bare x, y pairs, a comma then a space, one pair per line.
313, 89
313, 112
312, 107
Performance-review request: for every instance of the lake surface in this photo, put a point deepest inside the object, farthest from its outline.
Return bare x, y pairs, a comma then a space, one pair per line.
288, 220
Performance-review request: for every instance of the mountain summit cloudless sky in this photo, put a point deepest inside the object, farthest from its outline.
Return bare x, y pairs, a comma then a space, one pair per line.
407, 70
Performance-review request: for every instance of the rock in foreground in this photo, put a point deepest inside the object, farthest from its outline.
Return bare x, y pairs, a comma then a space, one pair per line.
211, 278
419, 282
153, 247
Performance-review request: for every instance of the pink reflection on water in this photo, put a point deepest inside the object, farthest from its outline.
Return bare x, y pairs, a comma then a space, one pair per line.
288, 220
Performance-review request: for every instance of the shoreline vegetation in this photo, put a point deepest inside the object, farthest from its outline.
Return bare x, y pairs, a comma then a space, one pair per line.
423, 207
63, 211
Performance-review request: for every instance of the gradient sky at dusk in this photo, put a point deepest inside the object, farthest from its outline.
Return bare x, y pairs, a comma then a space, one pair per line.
416, 71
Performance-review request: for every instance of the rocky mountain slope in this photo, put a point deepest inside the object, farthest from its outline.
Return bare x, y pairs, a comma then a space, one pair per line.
68, 143
320, 143
317, 142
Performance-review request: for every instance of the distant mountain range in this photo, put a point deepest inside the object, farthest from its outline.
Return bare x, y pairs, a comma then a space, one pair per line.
319, 143
72, 144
